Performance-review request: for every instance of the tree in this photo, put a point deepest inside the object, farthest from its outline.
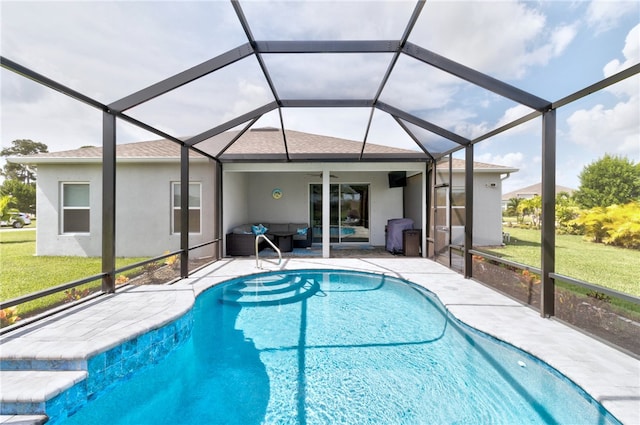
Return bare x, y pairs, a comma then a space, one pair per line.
533, 208
512, 208
21, 172
608, 181
23, 194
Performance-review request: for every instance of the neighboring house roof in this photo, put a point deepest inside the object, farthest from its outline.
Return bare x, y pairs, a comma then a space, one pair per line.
533, 190
478, 167
255, 145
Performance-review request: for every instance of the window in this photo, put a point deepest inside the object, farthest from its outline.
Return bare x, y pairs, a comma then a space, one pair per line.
194, 207
75, 217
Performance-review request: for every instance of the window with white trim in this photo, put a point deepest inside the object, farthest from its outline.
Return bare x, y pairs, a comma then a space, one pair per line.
195, 194
76, 211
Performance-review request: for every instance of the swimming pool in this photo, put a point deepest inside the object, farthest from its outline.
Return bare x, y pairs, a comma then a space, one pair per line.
319, 347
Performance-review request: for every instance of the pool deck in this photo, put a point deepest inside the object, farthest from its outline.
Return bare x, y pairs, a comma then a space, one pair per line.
56, 349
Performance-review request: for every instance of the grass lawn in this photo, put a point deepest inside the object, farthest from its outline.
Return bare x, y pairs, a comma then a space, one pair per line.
612, 267
24, 273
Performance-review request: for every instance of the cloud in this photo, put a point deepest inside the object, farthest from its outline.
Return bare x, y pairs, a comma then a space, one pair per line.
108, 50
601, 130
510, 159
604, 15
528, 168
631, 53
327, 20
514, 31
615, 129
327, 76
111, 49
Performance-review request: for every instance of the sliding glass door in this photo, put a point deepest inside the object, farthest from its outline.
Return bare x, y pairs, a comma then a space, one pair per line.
349, 212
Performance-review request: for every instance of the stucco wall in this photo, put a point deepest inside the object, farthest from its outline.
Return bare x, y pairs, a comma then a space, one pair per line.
143, 219
143, 209
256, 189
235, 193
487, 211
49, 240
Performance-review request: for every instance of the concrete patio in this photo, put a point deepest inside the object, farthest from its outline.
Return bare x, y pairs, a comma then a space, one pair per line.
53, 353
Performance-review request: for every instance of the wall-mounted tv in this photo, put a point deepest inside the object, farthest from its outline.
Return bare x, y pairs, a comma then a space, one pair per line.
397, 179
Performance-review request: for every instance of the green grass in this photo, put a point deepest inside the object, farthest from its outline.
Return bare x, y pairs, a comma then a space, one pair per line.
608, 266
23, 272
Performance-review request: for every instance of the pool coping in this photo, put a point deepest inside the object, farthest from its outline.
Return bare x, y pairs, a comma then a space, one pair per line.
607, 374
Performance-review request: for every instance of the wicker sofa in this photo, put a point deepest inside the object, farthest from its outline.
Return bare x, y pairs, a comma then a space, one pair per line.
241, 240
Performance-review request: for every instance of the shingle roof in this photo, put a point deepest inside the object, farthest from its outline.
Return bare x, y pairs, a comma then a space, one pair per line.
459, 164
149, 149
270, 140
254, 144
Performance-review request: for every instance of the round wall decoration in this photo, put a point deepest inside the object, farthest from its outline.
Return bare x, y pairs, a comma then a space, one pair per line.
277, 193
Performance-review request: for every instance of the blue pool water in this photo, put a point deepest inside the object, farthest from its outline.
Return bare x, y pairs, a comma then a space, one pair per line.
327, 347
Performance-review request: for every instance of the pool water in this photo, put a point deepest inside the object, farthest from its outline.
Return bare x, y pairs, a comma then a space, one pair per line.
328, 347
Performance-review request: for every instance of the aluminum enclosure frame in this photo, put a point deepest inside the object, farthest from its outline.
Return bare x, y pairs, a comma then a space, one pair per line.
258, 48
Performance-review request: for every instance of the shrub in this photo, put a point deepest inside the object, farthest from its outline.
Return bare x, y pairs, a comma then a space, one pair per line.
9, 316
617, 225
565, 219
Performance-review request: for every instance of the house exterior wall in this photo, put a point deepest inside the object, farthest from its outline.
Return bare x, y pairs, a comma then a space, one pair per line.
144, 204
293, 207
49, 238
235, 198
257, 181
487, 209
143, 209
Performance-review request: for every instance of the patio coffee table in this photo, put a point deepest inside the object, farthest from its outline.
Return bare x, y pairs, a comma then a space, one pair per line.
284, 241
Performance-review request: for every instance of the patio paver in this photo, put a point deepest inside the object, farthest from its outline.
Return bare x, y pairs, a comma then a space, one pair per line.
609, 375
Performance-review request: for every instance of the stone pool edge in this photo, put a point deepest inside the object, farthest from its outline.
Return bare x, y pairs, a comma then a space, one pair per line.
60, 376
479, 307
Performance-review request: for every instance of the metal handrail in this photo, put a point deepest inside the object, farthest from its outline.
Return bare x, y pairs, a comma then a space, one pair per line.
44, 292
69, 285
258, 261
507, 262
597, 288
555, 276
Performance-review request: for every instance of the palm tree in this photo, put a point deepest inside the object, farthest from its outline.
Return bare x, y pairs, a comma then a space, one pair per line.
512, 208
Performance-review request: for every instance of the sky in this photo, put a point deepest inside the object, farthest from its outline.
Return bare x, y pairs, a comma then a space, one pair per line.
107, 50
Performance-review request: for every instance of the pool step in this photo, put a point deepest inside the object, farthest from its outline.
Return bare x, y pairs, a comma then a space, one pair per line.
23, 419
256, 287
29, 392
270, 280
24, 363
259, 295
